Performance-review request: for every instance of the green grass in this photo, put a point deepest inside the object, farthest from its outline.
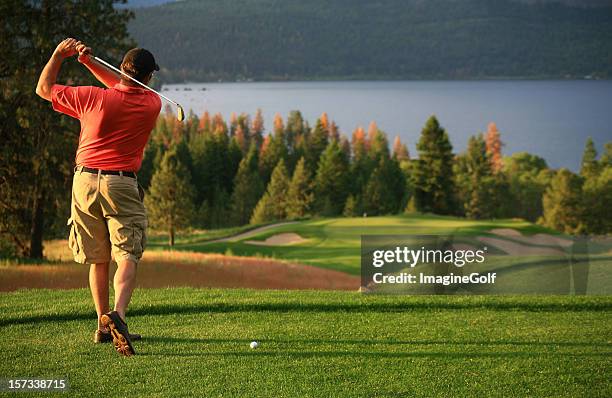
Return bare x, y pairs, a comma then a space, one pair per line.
316, 344
334, 243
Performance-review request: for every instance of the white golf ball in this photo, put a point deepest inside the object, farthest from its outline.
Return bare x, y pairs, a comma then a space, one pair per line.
254, 344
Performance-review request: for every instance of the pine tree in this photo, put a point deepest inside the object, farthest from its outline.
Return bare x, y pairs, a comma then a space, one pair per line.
384, 192
170, 199
273, 150
361, 167
528, 177
248, 188
589, 166
331, 181
273, 204
433, 171
350, 207
562, 203
400, 151
494, 147
299, 194
473, 179
315, 145
597, 197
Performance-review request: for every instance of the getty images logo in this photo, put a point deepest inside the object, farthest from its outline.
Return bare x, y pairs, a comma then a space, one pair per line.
411, 257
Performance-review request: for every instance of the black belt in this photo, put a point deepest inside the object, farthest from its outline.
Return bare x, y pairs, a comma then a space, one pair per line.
107, 172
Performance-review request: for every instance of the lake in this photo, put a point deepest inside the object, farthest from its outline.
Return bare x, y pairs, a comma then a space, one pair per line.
549, 118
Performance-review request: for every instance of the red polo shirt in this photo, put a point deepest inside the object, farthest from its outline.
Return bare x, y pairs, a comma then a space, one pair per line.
115, 123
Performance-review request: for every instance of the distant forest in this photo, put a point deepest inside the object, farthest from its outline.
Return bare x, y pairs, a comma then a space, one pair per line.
211, 40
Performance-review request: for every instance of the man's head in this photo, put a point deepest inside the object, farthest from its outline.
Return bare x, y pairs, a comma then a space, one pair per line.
140, 64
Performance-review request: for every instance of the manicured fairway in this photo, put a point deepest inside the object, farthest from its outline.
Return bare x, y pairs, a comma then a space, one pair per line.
335, 242
317, 344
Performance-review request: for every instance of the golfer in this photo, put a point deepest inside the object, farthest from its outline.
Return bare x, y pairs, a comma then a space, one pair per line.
108, 218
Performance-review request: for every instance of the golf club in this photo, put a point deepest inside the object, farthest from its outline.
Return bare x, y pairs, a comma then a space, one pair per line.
179, 112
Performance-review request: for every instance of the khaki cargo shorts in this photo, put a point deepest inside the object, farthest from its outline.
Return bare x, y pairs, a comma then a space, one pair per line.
108, 218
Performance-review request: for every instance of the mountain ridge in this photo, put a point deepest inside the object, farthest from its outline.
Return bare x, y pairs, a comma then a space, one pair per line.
213, 40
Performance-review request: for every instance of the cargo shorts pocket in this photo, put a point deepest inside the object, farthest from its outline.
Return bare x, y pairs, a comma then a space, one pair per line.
129, 241
74, 242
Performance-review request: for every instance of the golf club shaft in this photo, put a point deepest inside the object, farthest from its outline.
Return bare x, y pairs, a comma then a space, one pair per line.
103, 62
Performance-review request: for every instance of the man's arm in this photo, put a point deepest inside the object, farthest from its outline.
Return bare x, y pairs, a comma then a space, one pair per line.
48, 76
105, 75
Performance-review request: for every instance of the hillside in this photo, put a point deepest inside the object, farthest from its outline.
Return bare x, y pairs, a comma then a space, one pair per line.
388, 39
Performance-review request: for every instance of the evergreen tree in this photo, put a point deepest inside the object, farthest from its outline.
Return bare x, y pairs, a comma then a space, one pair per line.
562, 203
384, 192
248, 188
433, 172
361, 167
473, 176
528, 177
597, 197
299, 194
170, 199
273, 204
272, 151
350, 207
331, 181
315, 145
589, 166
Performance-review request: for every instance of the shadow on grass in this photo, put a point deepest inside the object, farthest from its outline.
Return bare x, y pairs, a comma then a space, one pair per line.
375, 354
364, 307
374, 342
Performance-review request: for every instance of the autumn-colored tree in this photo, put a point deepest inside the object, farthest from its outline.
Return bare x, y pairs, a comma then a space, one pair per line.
257, 127
325, 121
400, 151
494, 147
205, 122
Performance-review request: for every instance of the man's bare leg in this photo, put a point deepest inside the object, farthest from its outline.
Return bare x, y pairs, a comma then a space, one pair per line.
124, 283
98, 284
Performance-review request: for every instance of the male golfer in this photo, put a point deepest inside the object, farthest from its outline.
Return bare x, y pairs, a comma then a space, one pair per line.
108, 218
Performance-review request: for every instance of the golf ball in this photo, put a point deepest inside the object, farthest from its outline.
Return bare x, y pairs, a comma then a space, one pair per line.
254, 344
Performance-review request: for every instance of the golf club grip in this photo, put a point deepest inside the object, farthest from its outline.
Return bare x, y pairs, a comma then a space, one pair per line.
103, 62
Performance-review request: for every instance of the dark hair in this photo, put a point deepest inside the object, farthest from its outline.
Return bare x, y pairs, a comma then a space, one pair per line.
139, 63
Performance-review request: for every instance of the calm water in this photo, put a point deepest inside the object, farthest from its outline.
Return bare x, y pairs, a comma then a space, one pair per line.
548, 118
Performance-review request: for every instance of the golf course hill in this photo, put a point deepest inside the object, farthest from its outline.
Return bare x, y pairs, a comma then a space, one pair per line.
197, 40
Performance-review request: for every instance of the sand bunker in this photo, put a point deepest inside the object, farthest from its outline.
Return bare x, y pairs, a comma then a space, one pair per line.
511, 247
537, 239
288, 238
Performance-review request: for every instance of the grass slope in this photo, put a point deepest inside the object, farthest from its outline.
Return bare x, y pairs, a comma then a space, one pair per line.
334, 243
315, 344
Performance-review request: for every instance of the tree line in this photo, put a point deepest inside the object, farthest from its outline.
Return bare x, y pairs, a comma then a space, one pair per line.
209, 173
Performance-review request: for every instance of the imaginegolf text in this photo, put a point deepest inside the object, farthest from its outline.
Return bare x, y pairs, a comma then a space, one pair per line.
445, 280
